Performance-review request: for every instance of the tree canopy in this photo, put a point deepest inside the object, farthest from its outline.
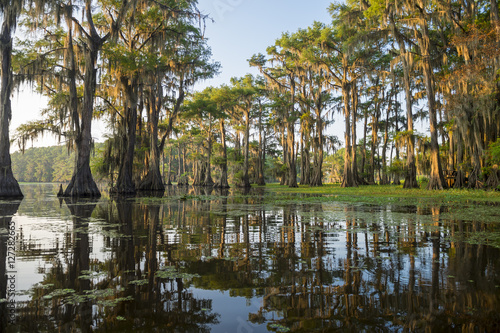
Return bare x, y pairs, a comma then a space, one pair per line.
383, 64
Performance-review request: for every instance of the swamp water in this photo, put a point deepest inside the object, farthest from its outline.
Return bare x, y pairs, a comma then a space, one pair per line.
217, 262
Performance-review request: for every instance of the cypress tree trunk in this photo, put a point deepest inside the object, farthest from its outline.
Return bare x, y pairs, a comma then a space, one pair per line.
460, 177
246, 179
292, 173
317, 173
305, 162
9, 187
436, 180
396, 176
354, 145
125, 183
411, 169
223, 183
363, 158
199, 173
385, 179
261, 158
348, 178
153, 180
208, 181
284, 175
82, 183
169, 170
181, 177
374, 145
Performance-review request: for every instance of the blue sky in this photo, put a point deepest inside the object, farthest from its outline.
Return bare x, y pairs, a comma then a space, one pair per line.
245, 27
240, 29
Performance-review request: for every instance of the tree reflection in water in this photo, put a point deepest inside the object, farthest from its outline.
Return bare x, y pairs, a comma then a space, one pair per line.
149, 264
7, 210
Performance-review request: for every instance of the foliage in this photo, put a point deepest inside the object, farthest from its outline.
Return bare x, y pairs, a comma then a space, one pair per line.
47, 164
494, 152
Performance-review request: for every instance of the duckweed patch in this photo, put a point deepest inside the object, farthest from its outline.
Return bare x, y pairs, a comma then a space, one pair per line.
59, 293
89, 275
171, 273
490, 238
139, 282
279, 328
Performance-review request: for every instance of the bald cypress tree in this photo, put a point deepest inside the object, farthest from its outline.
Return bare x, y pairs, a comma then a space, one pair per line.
9, 11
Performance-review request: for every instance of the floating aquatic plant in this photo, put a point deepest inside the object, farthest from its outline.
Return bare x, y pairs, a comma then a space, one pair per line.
59, 293
279, 327
171, 272
139, 282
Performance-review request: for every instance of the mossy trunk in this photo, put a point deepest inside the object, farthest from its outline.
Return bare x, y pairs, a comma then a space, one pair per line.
436, 179
348, 179
82, 184
411, 168
153, 181
292, 172
9, 187
317, 170
385, 178
125, 182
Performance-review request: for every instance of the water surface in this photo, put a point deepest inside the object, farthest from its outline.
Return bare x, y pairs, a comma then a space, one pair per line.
206, 261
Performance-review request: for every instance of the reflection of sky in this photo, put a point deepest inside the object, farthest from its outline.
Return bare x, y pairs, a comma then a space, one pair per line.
44, 240
233, 311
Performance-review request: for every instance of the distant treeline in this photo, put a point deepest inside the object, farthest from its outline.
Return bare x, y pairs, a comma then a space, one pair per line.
45, 164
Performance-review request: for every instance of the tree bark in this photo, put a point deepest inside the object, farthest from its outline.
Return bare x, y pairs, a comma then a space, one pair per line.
125, 183
317, 173
223, 183
436, 180
9, 187
245, 182
305, 161
411, 169
261, 158
385, 179
292, 173
153, 181
348, 178
208, 181
169, 170
363, 158
82, 183
354, 144
181, 177
374, 145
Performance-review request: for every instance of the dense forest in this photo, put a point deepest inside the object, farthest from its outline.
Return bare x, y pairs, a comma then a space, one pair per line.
380, 65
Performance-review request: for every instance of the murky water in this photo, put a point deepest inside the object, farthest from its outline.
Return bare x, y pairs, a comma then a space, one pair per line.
213, 262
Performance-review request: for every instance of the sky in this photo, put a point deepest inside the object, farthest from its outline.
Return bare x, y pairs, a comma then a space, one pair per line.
241, 28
